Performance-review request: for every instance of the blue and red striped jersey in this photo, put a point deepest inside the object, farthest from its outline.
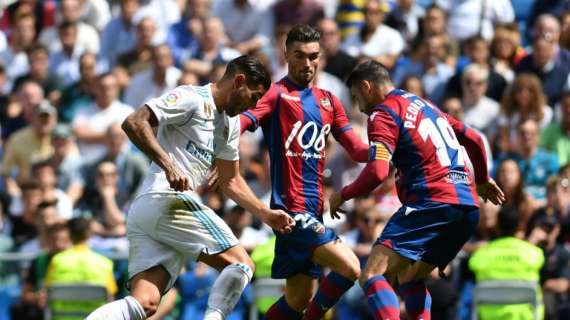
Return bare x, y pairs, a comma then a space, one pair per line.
423, 146
296, 122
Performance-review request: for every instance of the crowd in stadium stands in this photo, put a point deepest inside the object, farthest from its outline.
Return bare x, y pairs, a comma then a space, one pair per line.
72, 70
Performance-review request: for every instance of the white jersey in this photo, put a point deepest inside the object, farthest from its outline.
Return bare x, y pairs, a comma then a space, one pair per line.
193, 133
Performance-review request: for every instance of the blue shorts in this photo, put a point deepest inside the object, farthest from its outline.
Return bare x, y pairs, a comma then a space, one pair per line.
293, 251
433, 233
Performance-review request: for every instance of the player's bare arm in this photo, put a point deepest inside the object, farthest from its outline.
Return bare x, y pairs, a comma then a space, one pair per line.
234, 186
139, 128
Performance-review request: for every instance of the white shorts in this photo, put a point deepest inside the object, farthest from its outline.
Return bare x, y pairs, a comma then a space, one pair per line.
169, 229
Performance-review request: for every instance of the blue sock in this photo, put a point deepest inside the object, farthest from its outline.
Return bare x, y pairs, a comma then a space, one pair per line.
382, 299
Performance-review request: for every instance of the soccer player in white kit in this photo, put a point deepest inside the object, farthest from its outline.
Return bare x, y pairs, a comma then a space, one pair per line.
166, 224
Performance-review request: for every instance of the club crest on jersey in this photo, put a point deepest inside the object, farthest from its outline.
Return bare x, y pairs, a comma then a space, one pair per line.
172, 98
326, 103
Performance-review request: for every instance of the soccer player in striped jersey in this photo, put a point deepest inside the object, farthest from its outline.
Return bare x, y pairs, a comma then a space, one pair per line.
440, 202
166, 224
297, 118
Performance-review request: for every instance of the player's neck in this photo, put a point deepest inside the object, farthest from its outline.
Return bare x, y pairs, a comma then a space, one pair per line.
298, 83
219, 97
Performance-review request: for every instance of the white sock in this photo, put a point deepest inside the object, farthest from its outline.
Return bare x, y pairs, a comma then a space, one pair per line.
127, 308
227, 290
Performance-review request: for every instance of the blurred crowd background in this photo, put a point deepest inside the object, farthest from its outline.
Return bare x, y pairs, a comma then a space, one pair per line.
72, 70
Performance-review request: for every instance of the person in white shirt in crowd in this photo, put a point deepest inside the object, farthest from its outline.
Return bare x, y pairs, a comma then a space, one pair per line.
405, 17
376, 40
91, 123
248, 23
87, 36
468, 18
163, 12
119, 35
480, 111
44, 173
65, 62
154, 81
95, 13
67, 162
14, 57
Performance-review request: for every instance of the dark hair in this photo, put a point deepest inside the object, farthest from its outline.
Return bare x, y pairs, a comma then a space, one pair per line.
79, 229
36, 47
370, 70
41, 164
255, 72
57, 227
302, 33
508, 221
29, 185
67, 25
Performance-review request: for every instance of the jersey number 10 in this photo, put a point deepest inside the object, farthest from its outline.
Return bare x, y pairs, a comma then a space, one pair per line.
442, 136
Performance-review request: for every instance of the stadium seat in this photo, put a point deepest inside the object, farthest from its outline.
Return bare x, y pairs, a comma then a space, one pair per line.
265, 288
71, 302
505, 292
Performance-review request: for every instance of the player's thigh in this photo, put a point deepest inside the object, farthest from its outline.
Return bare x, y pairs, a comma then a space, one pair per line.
417, 271
339, 258
299, 291
148, 286
219, 261
383, 261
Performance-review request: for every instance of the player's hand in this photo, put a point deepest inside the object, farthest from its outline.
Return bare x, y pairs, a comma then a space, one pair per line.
335, 201
213, 178
279, 220
490, 191
177, 179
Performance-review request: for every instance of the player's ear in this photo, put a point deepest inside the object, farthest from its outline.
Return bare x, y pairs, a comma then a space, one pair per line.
239, 80
366, 86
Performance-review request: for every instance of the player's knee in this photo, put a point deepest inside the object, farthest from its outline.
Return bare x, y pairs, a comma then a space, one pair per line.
148, 301
352, 270
246, 260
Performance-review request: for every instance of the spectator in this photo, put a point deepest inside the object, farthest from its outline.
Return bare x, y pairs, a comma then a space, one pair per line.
480, 111
429, 65
477, 52
131, 166
510, 180
338, 62
475, 17
183, 36
536, 163
523, 100
44, 173
331, 83
350, 17
66, 162
19, 112
506, 50
79, 264
38, 58
292, 12
239, 220
44, 11
376, 40
119, 35
548, 61
23, 221
34, 296
488, 263
91, 123
81, 93
405, 18
46, 215
28, 145
212, 49
14, 57
65, 62
163, 12
558, 204
555, 137
249, 23
104, 203
139, 58
154, 81
554, 275
565, 30
87, 36
413, 84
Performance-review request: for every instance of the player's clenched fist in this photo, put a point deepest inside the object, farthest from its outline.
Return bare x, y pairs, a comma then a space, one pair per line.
177, 179
279, 220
